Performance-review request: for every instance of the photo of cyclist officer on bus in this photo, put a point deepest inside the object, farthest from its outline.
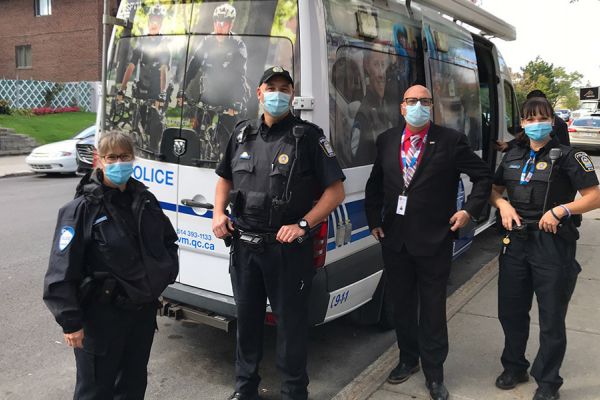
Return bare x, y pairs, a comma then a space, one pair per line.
149, 92
217, 61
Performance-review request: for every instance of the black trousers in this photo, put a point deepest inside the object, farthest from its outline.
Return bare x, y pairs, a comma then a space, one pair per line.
116, 349
283, 273
544, 264
419, 295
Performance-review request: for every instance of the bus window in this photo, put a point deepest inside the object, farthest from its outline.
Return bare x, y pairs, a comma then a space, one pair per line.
366, 90
195, 66
142, 86
368, 77
455, 91
511, 108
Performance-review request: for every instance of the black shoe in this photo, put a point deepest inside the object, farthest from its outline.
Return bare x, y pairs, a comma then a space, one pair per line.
241, 396
402, 372
510, 379
546, 394
437, 390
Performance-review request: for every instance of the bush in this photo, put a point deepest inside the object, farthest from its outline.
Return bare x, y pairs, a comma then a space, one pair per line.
4, 107
23, 112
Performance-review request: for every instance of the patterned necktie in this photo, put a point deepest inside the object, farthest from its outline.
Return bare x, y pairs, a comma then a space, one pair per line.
410, 163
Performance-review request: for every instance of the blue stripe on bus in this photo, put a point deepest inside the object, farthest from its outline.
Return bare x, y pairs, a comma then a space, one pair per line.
355, 209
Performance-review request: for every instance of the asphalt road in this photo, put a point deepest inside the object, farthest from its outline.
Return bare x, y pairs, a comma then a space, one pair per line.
188, 361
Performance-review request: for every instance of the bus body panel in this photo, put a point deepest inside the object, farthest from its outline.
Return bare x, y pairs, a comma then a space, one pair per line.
337, 65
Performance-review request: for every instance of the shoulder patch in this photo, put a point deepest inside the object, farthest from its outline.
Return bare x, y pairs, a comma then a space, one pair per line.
326, 146
66, 236
585, 161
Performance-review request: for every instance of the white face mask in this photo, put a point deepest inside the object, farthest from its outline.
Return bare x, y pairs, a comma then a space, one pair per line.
417, 115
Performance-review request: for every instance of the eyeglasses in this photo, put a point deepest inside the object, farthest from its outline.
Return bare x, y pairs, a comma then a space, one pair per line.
112, 158
425, 101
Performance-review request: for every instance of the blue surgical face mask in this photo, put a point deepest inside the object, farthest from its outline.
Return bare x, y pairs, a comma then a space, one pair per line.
538, 131
118, 173
417, 115
277, 103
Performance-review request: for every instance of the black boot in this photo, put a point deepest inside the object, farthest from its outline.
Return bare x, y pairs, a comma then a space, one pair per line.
510, 379
402, 372
437, 390
546, 394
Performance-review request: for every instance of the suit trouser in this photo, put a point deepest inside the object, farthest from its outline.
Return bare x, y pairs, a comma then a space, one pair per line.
116, 349
283, 273
419, 295
544, 264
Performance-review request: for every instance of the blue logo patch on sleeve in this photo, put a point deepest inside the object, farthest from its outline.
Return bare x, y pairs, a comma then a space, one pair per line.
67, 234
585, 161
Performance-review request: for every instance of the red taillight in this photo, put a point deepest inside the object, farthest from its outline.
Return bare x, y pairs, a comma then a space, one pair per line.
571, 129
320, 245
95, 158
270, 319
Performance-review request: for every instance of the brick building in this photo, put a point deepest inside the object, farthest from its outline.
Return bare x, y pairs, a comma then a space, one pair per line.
54, 40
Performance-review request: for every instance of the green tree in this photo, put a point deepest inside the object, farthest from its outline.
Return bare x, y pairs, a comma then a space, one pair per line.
558, 84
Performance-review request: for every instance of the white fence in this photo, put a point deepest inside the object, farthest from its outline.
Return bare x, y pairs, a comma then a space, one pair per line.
30, 94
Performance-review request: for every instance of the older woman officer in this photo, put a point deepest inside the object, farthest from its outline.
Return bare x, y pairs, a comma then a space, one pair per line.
541, 217
114, 252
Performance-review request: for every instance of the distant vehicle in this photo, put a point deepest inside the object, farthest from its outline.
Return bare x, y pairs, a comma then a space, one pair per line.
86, 151
564, 114
585, 132
58, 157
590, 102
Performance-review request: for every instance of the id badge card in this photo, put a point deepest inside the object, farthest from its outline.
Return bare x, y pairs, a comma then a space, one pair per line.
401, 209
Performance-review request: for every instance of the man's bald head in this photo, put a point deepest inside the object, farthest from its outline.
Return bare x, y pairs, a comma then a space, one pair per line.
418, 91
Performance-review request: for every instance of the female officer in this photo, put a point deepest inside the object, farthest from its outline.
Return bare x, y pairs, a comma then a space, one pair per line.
114, 252
541, 178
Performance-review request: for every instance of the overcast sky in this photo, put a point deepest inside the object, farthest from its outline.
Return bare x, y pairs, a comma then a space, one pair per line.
564, 34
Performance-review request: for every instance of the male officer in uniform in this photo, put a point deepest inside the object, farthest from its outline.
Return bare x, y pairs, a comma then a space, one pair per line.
282, 179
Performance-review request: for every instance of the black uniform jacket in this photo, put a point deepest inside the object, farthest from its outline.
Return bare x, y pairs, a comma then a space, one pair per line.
432, 192
92, 236
572, 172
317, 167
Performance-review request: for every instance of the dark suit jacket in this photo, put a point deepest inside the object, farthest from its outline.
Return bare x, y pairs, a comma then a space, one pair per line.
431, 194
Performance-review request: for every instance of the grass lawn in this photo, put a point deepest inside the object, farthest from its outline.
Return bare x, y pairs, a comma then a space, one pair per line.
49, 128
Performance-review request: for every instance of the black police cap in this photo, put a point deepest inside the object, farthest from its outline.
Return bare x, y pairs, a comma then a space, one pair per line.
273, 72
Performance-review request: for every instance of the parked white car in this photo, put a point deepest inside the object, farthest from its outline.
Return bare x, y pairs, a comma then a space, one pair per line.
58, 157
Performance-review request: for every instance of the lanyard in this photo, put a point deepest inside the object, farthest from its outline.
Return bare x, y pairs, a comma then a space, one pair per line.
528, 169
406, 164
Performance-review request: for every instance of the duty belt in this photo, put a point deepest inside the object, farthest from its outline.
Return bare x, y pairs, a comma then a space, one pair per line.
255, 238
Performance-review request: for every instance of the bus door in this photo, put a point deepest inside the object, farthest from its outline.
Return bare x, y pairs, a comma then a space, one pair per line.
452, 76
147, 60
226, 57
489, 78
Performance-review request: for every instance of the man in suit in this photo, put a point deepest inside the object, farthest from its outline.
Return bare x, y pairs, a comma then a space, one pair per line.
410, 201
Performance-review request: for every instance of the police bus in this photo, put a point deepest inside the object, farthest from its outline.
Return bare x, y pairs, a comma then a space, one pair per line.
182, 73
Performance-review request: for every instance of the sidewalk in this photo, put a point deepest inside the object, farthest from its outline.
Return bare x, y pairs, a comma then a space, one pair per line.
476, 340
13, 166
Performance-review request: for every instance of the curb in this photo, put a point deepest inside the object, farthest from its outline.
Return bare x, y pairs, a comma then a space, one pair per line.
16, 174
367, 383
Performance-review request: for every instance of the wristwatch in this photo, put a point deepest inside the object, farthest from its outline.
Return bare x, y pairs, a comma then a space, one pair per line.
304, 225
